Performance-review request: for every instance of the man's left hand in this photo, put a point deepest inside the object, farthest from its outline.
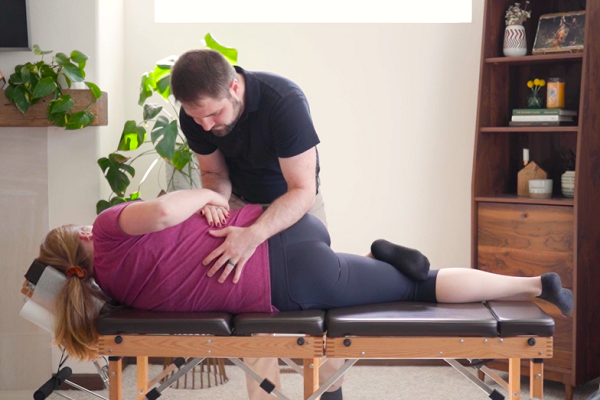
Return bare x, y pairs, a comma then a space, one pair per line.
239, 245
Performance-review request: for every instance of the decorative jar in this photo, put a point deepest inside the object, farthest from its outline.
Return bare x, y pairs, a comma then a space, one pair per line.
555, 94
515, 43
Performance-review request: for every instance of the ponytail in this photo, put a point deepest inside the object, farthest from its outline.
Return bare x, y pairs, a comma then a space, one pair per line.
75, 310
76, 316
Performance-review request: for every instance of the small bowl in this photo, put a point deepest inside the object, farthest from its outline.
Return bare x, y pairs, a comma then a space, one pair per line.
540, 186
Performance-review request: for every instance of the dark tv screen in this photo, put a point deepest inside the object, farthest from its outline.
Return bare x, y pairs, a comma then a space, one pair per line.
14, 26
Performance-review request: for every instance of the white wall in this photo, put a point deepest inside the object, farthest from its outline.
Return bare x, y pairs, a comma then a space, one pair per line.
111, 74
394, 106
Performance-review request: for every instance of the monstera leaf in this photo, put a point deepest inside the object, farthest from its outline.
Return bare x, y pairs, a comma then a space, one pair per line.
133, 136
229, 53
164, 135
115, 170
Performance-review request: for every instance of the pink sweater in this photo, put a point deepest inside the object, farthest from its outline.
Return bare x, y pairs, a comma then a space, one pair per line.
163, 270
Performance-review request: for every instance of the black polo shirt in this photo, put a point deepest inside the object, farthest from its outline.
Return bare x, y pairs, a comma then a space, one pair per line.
276, 123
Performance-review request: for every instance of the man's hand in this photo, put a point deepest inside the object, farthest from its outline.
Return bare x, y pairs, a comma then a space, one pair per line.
239, 245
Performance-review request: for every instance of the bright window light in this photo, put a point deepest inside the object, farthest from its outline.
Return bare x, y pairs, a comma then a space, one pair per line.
319, 11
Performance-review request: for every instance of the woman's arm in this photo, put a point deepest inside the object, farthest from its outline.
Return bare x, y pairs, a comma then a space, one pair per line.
168, 210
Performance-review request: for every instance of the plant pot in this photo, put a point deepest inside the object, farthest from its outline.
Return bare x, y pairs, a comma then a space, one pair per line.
515, 43
37, 114
567, 184
178, 180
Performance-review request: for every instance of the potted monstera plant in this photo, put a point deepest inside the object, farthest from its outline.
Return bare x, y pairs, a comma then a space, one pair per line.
31, 82
165, 142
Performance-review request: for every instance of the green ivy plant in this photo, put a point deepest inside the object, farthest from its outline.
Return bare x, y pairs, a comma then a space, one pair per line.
32, 81
166, 138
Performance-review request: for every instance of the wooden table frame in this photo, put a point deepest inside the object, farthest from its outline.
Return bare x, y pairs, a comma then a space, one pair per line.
312, 349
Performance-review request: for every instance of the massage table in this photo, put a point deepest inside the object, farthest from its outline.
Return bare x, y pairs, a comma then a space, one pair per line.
476, 332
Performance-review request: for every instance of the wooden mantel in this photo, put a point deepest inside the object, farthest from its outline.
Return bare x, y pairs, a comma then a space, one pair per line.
36, 115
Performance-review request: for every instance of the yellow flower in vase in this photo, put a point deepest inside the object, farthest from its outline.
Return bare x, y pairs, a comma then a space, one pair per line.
534, 100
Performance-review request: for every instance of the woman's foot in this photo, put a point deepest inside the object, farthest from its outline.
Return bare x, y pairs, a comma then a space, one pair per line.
410, 262
553, 292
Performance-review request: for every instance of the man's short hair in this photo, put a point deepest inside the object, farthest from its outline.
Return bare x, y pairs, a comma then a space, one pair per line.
200, 74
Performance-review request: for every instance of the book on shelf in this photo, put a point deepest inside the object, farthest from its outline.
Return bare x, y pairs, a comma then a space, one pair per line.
543, 111
541, 118
541, 123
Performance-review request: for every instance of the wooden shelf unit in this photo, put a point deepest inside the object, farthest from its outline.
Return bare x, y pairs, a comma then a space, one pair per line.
523, 236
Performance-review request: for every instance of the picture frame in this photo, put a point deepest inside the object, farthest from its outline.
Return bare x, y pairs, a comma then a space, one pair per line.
560, 32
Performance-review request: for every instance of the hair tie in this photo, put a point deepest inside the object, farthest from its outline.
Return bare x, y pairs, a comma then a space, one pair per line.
78, 272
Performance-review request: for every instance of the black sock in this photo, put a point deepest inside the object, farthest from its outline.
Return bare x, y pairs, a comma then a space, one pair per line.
553, 292
411, 263
335, 395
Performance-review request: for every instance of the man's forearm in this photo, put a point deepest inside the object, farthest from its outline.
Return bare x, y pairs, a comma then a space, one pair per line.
216, 182
283, 213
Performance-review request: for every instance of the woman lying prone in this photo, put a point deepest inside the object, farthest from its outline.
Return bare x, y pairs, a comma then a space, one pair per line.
160, 255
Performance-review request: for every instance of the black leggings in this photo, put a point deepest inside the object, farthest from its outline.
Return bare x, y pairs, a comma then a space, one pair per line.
307, 274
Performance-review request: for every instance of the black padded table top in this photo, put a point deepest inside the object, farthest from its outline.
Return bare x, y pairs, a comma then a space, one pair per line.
307, 322
495, 318
412, 319
127, 320
521, 318
499, 318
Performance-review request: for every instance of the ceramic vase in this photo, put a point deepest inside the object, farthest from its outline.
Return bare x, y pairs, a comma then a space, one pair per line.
567, 184
176, 180
515, 43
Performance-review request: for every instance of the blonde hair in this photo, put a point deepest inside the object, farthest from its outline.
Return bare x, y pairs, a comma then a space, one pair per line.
76, 313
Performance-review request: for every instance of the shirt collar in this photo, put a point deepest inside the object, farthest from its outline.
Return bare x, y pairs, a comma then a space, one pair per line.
252, 91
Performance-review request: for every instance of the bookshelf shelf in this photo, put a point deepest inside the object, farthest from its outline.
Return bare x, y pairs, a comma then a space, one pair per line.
514, 199
537, 59
571, 129
518, 235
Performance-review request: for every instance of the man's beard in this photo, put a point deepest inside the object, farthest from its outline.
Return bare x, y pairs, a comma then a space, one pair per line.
224, 130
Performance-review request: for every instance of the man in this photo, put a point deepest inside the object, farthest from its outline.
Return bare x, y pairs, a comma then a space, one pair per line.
255, 142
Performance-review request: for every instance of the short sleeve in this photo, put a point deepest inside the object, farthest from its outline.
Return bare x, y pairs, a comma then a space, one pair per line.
292, 127
106, 226
194, 134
